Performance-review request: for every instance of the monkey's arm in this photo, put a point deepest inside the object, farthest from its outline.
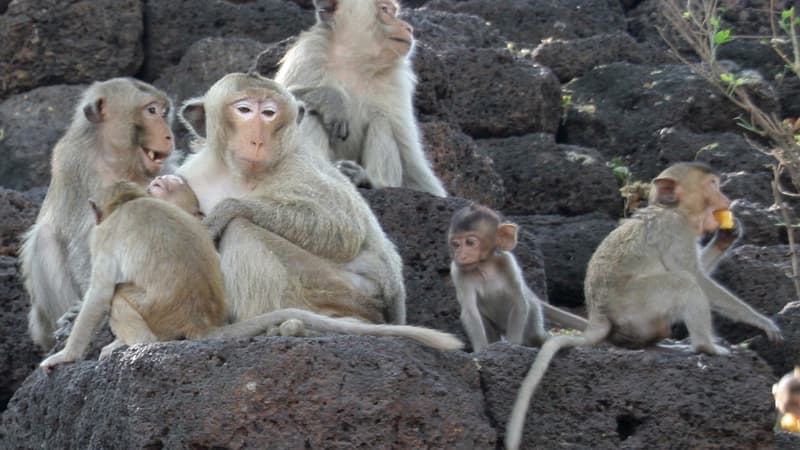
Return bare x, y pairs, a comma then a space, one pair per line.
517, 320
715, 250
95, 305
330, 105
330, 236
470, 316
734, 308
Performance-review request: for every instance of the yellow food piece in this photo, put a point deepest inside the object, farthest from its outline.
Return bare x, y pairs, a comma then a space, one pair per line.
790, 422
725, 219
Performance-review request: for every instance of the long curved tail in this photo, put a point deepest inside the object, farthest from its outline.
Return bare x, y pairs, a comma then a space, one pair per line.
593, 335
260, 324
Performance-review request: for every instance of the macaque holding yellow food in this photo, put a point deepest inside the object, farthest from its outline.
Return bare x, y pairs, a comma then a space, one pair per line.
725, 219
787, 400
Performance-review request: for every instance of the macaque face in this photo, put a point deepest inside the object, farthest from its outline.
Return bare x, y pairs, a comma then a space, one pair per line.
164, 186
253, 121
398, 34
155, 135
470, 248
714, 200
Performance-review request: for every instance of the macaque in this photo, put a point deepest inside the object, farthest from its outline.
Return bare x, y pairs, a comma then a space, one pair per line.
120, 131
155, 267
174, 189
353, 67
495, 300
648, 274
292, 232
787, 400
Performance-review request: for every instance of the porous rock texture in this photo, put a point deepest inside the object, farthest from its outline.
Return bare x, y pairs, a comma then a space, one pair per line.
524, 105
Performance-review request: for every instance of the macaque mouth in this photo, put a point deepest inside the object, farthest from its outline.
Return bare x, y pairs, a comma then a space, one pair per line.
156, 156
399, 39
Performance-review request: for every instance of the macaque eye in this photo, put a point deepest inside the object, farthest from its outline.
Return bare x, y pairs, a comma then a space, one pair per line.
471, 242
152, 108
388, 9
269, 113
455, 245
243, 109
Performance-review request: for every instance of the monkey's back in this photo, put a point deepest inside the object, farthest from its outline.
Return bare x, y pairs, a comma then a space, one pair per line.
168, 254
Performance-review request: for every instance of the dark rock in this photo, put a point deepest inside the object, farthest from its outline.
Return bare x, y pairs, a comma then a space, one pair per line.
782, 358
417, 223
434, 89
205, 62
787, 441
788, 88
760, 223
20, 354
486, 100
442, 30
542, 177
17, 214
570, 59
530, 22
464, 168
567, 244
54, 42
613, 398
335, 392
30, 125
761, 276
171, 27
755, 187
621, 108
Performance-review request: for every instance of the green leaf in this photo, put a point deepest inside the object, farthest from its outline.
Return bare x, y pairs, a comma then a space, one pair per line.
787, 13
727, 78
722, 36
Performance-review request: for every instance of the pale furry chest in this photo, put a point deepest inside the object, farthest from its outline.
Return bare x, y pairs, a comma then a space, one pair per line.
495, 297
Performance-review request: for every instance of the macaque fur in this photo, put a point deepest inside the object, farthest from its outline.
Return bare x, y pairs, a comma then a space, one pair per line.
494, 298
164, 282
293, 232
120, 131
357, 57
648, 274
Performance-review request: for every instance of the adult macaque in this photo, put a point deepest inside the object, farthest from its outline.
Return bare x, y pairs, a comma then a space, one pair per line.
155, 267
787, 400
293, 232
358, 55
120, 131
495, 300
648, 274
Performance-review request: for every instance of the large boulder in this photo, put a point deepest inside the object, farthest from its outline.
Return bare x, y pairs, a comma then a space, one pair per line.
570, 59
30, 125
49, 42
609, 398
172, 27
782, 358
542, 177
444, 30
334, 392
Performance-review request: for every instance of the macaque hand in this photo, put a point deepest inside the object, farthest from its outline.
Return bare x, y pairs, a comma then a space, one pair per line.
329, 105
725, 238
219, 218
773, 332
56, 360
354, 171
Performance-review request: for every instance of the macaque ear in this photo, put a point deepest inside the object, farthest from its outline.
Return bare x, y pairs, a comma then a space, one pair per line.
98, 215
94, 110
665, 191
200, 214
325, 9
193, 116
301, 112
507, 236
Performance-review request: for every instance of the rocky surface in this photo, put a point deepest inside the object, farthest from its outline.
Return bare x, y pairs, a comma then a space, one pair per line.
523, 106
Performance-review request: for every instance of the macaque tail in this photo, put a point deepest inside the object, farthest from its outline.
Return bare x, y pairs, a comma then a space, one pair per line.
260, 324
592, 336
564, 318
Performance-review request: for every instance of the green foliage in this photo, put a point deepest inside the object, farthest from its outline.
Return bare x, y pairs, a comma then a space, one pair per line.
620, 170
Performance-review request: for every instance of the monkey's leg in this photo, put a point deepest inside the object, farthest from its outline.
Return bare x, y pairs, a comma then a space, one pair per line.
381, 157
255, 278
127, 323
48, 281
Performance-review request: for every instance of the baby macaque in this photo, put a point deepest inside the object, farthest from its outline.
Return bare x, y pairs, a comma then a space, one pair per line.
787, 400
174, 189
495, 300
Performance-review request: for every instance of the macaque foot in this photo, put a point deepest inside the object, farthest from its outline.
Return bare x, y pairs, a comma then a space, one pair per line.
108, 349
56, 360
711, 349
293, 327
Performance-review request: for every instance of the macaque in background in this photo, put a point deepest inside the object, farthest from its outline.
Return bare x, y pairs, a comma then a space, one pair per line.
353, 68
650, 273
495, 300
